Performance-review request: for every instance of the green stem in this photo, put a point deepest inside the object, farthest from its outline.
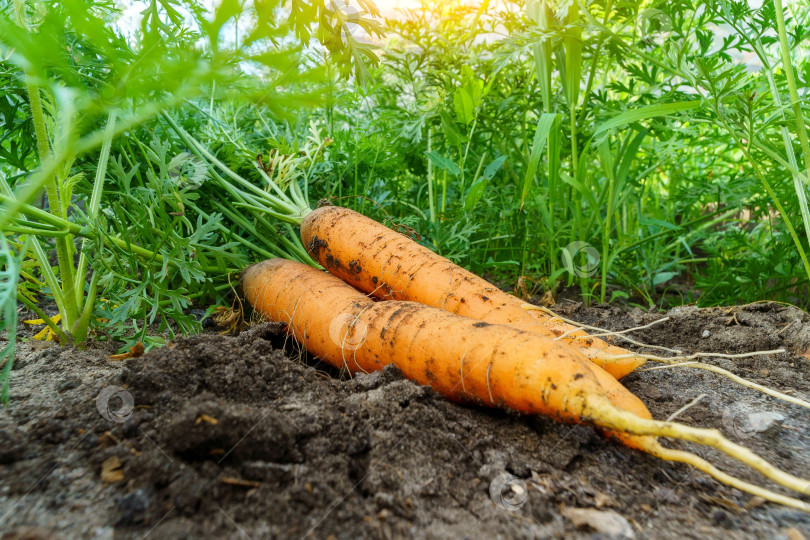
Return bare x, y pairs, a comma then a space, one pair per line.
63, 244
83, 324
369, 176
240, 220
791, 80
606, 238
93, 208
40, 131
43, 216
431, 202
282, 202
19, 226
464, 159
444, 191
574, 149
579, 232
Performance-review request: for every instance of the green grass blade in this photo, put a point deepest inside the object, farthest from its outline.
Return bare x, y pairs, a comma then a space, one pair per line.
642, 113
544, 125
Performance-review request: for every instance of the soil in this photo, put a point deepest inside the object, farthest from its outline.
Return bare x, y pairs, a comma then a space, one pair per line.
243, 437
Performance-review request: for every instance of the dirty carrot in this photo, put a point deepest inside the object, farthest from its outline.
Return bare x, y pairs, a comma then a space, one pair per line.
340, 306
389, 265
472, 361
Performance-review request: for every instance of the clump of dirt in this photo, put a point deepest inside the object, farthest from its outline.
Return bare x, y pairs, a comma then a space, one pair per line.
218, 436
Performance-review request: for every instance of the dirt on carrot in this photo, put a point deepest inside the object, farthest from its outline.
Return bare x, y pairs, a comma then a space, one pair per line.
238, 436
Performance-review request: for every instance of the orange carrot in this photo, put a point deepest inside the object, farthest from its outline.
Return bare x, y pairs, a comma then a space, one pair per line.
345, 328
389, 265
472, 361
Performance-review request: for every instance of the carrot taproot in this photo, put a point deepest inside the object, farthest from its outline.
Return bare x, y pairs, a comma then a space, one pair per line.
473, 361
389, 265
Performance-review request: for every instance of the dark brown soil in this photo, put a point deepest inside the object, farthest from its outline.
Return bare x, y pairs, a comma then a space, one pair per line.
239, 437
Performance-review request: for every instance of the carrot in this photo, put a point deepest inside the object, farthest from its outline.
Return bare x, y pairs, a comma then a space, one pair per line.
472, 361
267, 284
389, 265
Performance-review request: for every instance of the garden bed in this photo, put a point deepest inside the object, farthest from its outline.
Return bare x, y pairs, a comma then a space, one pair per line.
246, 437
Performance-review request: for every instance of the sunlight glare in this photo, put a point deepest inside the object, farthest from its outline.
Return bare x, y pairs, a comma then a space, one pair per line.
395, 8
